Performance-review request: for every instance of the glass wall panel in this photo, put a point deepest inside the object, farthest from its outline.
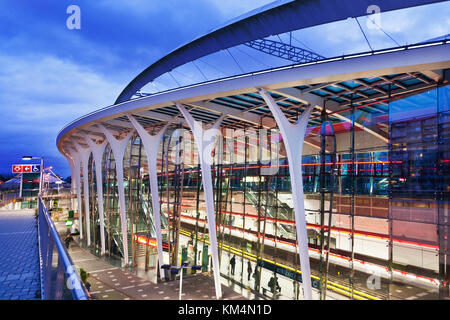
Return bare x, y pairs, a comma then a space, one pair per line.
387, 182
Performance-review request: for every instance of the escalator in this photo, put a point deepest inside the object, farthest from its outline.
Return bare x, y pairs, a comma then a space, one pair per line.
148, 210
269, 203
115, 247
143, 226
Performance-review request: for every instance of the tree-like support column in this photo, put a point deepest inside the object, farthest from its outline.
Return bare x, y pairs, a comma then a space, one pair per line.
118, 148
97, 153
72, 173
205, 143
84, 154
77, 168
151, 145
293, 137
75, 175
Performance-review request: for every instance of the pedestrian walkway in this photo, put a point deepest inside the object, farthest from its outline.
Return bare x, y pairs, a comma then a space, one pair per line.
113, 283
109, 282
19, 256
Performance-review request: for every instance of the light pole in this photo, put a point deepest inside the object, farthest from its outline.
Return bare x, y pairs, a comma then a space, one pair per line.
27, 158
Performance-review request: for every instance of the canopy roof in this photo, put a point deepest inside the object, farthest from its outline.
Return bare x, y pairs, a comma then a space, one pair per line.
275, 18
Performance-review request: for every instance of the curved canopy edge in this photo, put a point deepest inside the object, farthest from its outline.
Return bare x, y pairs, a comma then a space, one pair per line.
275, 18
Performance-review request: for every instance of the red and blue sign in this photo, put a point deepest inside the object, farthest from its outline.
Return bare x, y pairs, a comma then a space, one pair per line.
26, 168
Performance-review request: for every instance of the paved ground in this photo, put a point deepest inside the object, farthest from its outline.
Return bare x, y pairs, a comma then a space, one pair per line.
109, 282
19, 256
114, 283
20, 278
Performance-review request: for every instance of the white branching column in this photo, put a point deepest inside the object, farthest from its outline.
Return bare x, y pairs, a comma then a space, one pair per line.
84, 154
205, 143
73, 184
97, 153
151, 145
293, 137
77, 168
118, 148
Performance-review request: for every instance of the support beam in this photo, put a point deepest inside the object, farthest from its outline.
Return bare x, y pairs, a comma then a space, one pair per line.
293, 137
157, 116
82, 133
436, 75
119, 123
211, 106
73, 184
93, 129
97, 153
151, 146
118, 148
284, 50
84, 157
77, 168
205, 143
318, 86
318, 102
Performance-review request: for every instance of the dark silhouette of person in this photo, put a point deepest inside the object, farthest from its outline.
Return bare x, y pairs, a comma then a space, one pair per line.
255, 275
232, 264
249, 270
67, 240
273, 285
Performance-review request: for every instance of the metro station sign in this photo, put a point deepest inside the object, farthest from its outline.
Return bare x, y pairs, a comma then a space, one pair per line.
26, 168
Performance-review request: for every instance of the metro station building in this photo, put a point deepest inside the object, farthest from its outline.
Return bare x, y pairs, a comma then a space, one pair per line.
330, 173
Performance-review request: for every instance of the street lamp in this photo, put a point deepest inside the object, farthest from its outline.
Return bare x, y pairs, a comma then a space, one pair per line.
27, 158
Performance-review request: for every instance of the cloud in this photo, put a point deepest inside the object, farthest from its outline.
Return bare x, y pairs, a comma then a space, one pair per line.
50, 75
41, 94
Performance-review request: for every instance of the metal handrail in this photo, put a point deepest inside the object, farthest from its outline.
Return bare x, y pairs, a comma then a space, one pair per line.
48, 238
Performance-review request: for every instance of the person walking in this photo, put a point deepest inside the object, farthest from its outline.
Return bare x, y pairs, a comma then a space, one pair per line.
232, 264
249, 270
67, 240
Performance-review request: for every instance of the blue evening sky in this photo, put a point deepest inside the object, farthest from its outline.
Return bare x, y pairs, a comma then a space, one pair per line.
50, 75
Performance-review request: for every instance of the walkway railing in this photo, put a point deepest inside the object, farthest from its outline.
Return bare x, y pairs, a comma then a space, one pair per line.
59, 279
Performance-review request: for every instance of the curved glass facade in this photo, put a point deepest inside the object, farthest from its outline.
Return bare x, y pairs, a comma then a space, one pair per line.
384, 176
